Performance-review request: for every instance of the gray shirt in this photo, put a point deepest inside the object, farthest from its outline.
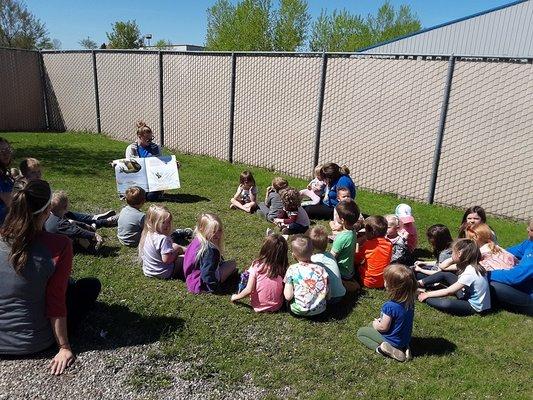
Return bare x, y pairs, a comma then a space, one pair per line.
130, 226
24, 327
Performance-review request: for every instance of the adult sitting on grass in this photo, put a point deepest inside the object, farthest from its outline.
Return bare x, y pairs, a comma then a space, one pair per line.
35, 293
335, 177
144, 147
514, 287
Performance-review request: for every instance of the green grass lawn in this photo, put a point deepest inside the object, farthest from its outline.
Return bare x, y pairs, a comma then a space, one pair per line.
456, 358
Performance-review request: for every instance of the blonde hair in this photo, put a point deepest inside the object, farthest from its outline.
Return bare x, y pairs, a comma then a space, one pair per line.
391, 218
142, 128
153, 221
207, 227
279, 183
482, 234
29, 164
317, 172
59, 201
302, 247
401, 284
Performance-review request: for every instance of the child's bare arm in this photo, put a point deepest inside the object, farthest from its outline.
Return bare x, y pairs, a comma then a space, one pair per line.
442, 292
253, 196
382, 324
237, 193
288, 291
247, 291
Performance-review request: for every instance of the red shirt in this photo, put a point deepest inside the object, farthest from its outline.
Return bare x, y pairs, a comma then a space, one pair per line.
372, 258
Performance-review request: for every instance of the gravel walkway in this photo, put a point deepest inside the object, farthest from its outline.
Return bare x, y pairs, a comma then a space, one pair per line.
122, 373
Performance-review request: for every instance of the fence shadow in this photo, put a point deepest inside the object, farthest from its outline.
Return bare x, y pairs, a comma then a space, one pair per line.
431, 346
56, 121
183, 198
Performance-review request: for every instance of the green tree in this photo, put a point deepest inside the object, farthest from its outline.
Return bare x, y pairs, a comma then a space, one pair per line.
88, 43
241, 27
163, 44
19, 28
290, 25
342, 31
125, 35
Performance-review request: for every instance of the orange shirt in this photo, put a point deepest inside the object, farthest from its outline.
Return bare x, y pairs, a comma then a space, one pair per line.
372, 258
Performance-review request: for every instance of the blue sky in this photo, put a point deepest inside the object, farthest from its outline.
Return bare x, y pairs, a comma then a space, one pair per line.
184, 22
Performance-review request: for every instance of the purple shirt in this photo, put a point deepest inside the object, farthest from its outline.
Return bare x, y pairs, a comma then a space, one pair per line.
191, 272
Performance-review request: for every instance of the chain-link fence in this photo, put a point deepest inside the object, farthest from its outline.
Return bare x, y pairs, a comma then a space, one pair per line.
453, 130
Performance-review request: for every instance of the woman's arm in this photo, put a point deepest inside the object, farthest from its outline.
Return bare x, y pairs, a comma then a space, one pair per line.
250, 287
64, 357
442, 292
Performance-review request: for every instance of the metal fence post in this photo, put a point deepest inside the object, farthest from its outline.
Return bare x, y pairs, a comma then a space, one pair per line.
96, 94
320, 108
161, 123
45, 92
232, 106
440, 133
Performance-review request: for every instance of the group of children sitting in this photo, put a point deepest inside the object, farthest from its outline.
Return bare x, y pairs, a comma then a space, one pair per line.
373, 252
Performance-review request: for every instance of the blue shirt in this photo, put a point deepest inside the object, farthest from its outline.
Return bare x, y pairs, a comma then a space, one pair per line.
343, 181
521, 275
401, 328
6, 186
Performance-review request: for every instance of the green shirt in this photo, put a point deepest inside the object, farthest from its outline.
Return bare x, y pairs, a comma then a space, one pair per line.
344, 249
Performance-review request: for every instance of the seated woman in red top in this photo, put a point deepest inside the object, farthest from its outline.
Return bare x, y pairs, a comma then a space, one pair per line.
34, 280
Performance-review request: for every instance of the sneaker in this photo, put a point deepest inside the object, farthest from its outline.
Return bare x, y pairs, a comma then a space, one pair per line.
269, 232
105, 215
391, 351
111, 221
408, 354
182, 234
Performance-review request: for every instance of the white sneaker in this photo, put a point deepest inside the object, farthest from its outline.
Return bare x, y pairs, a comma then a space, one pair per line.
392, 352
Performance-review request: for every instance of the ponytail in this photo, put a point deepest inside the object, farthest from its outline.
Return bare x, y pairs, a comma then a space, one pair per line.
21, 225
344, 170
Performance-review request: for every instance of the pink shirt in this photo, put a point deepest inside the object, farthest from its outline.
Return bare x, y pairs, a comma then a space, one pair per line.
408, 232
268, 293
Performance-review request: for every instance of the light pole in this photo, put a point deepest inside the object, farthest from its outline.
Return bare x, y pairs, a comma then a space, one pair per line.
148, 36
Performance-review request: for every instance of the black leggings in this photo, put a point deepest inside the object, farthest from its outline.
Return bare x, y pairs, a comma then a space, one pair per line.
81, 297
319, 211
514, 299
459, 306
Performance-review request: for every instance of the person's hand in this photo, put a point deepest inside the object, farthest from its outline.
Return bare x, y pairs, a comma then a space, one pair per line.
422, 297
233, 298
376, 323
63, 359
98, 237
270, 189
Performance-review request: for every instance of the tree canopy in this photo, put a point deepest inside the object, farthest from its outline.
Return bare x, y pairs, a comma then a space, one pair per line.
125, 35
88, 43
254, 25
20, 28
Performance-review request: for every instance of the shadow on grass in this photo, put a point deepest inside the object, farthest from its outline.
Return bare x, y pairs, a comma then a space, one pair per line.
183, 198
431, 346
109, 327
422, 254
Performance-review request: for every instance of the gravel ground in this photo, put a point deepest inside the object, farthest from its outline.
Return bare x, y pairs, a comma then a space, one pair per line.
122, 373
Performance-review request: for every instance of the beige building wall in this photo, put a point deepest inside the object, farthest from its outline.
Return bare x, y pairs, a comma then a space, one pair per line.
275, 112
70, 91
381, 119
21, 102
488, 142
197, 103
128, 85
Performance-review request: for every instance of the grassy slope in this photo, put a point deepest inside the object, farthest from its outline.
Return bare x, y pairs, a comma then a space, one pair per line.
476, 357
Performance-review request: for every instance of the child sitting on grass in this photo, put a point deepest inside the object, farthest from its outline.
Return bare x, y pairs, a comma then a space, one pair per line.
203, 265
293, 219
265, 276
493, 257
245, 198
83, 236
315, 189
273, 205
375, 252
470, 287
344, 245
319, 237
407, 225
390, 334
400, 252
306, 283
131, 218
343, 194
440, 239
159, 255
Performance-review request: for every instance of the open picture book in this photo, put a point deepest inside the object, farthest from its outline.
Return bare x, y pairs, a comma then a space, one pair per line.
152, 173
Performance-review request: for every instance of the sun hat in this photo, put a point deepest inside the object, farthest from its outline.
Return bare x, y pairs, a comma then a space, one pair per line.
404, 213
